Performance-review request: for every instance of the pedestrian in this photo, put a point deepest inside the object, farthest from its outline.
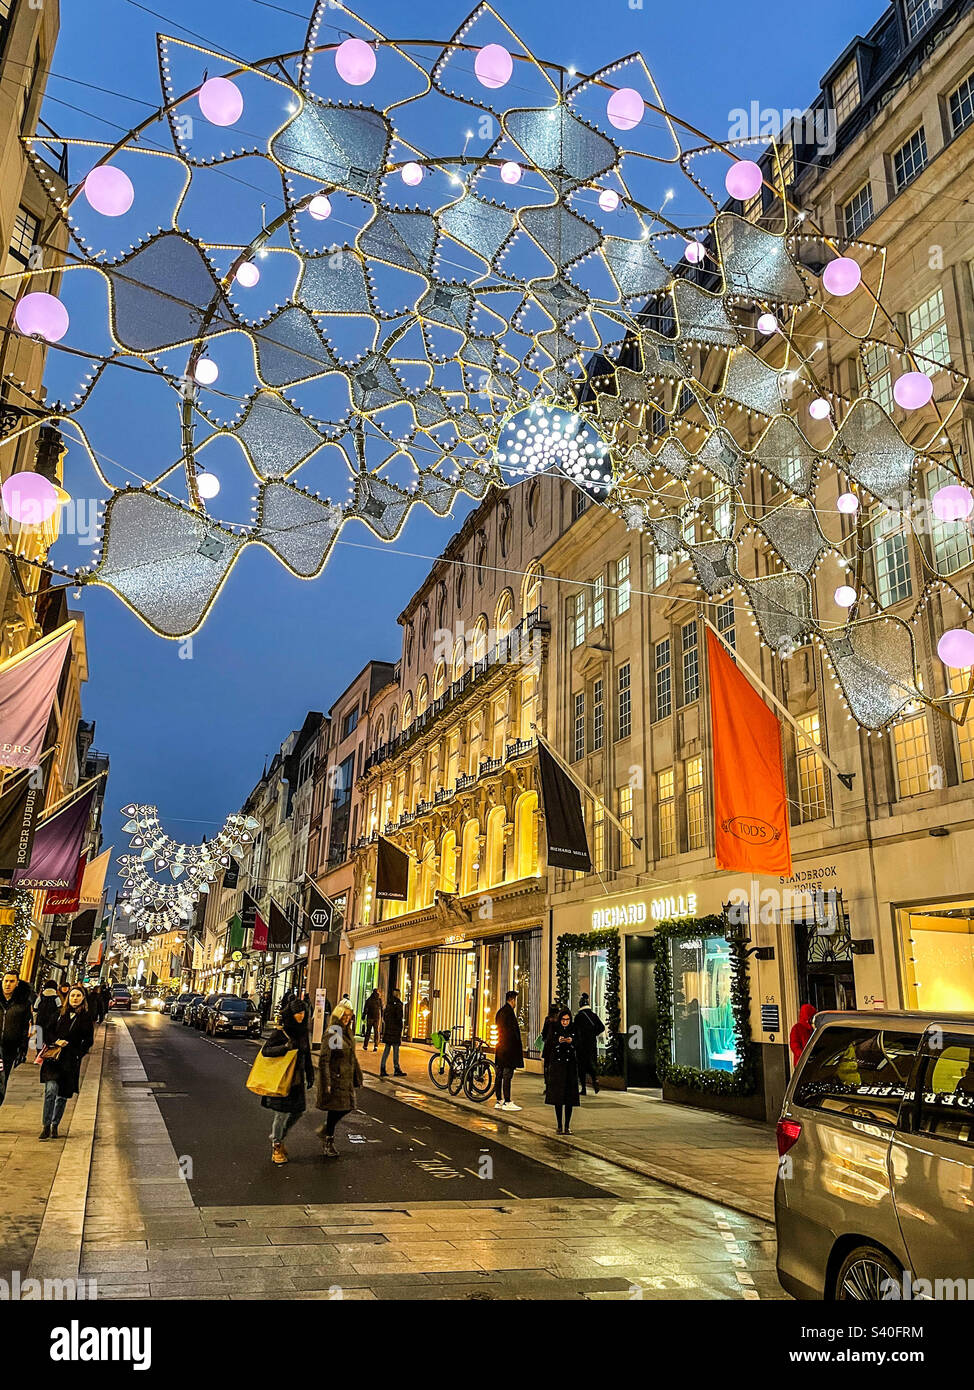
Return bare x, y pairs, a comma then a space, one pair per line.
801, 1032
339, 1074
588, 1028
96, 1003
15, 1019
47, 1009
372, 1017
292, 1034
561, 1072
508, 1052
265, 1008
74, 1032
392, 1020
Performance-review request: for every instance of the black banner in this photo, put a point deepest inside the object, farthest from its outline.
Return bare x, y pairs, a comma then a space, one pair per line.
248, 912
392, 873
82, 929
20, 805
279, 930
321, 911
231, 873
564, 821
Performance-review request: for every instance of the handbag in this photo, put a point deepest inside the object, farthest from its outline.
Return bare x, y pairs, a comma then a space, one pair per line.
49, 1053
272, 1076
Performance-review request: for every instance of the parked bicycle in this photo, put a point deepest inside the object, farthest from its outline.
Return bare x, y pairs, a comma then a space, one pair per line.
473, 1072
444, 1063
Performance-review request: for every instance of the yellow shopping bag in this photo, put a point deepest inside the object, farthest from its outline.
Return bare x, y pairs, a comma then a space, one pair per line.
272, 1076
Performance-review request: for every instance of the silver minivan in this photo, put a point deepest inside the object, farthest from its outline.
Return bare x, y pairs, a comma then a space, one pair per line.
874, 1197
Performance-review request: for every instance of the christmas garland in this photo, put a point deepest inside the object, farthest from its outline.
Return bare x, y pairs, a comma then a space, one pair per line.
14, 935
739, 1082
607, 939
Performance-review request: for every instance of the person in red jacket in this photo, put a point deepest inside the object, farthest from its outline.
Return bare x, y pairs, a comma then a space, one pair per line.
802, 1031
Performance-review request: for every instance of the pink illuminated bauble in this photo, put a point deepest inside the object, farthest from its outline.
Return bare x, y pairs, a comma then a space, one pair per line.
412, 174
845, 596
608, 200
743, 180
912, 390
625, 108
247, 275
493, 66
767, 323
819, 409
693, 252
953, 503
206, 371
848, 503
956, 648
29, 498
109, 190
220, 101
320, 207
355, 62
41, 315
511, 172
842, 276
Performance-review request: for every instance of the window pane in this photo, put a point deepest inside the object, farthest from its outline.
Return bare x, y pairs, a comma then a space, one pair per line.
961, 105
598, 717
858, 211
703, 1016
623, 585
667, 812
909, 159
951, 539
696, 822
959, 682
624, 693
947, 1091
919, 14
911, 747
857, 1071
811, 773
664, 679
928, 331
891, 551
625, 816
691, 663
578, 747
845, 91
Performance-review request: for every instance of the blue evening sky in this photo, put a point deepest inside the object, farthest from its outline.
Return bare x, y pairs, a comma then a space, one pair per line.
191, 735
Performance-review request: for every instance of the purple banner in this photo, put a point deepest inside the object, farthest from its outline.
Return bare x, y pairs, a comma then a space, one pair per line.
57, 847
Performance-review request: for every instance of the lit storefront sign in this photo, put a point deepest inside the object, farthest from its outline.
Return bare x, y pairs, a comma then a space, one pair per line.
366, 953
638, 913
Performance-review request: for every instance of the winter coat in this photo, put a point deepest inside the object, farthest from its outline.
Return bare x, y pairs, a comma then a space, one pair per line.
561, 1067
508, 1050
48, 1008
392, 1016
588, 1027
286, 1039
78, 1030
339, 1073
15, 1020
373, 1008
802, 1031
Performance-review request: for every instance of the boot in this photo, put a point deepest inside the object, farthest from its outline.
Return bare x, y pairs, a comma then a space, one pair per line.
278, 1153
54, 1133
328, 1149
45, 1132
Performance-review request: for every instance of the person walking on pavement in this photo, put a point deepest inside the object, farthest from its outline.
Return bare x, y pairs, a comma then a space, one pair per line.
508, 1052
372, 1016
339, 1075
46, 1011
588, 1028
392, 1020
290, 1036
15, 1019
561, 1071
74, 1032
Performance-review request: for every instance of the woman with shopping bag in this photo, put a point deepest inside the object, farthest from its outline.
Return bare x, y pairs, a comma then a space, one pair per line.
290, 1048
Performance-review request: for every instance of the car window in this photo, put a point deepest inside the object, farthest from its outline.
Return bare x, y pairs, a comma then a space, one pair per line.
945, 1090
862, 1072
237, 1006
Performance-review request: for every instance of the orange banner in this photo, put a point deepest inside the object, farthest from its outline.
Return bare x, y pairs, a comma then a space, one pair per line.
750, 800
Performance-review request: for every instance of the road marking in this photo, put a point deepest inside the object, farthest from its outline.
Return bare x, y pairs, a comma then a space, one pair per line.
442, 1155
393, 1127
420, 1142
508, 1193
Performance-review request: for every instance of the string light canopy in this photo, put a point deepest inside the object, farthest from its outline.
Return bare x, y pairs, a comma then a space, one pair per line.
453, 263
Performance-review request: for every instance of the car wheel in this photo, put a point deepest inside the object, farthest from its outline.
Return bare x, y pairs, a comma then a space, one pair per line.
868, 1275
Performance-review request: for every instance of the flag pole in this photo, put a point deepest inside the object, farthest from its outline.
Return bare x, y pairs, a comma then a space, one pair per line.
583, 786
844, 777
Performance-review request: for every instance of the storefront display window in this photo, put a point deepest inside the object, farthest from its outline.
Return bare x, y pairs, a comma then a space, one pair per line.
422, 1013
493, 988
703, 1018
365, 973
937, 943
526, 979
588, 973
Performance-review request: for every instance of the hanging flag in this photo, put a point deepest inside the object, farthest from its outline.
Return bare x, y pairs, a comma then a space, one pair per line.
57, 845
231, 873
279, 930
236, 933
20, 806
93, 882
750, 800
258, 941
57, 900
564, 821
253, 922
392, 873
28, 684
83, 930
321, 910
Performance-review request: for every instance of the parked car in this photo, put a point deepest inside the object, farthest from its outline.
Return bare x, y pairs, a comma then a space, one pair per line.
190, 1010
158, 1003
876, 1138
200, 1010
120, 998
231, 1014
178, 1004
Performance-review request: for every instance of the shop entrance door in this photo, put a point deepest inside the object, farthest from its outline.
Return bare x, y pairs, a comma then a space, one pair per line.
823, 951
641, 1011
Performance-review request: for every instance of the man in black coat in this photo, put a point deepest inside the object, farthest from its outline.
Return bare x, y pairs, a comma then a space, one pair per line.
15, 1020
588, 1029
508, 1052
392, 1022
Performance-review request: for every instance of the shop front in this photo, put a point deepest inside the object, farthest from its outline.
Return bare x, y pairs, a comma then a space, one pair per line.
365, 975
936, 942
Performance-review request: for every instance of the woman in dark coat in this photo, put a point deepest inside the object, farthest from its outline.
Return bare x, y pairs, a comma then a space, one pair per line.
339, 1075
74, 1032
561, 1071
291, 1035
48, 1008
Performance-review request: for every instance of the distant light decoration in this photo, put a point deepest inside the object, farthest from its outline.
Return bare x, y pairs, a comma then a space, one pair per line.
848, 503
625, 108
207, 485
743, 180
913, 390
221, 101
767, 324
109, 190
543, 437
952, 503
956, 648
355, 62
842, 276
608, 200
845, 595
29, 498
206, 371
412, 174
819, 409
511, 172
493, 66
694, 252
320, 207
41, 315
248, 274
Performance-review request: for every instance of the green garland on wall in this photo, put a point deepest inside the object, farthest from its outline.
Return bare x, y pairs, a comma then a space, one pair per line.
739, 1082
15, 936
607, 939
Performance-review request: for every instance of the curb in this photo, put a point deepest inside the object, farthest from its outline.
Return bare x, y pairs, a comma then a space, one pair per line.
57, 1254
696, 1188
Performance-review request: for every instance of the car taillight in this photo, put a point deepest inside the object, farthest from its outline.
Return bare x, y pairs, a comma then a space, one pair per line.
788, 1133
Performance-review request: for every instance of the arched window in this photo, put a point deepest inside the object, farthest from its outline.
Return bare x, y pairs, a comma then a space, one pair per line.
422, 696
531, 588
409, 646
407, 712
439, 679
380, 726
448, 863
393, 716
427, 874
470, 857
532, 502
496, 821
458, 587
458, 659
478, 640
526, 835
504, 614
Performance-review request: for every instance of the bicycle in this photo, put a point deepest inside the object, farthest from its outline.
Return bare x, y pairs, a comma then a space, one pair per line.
473, 1072
443, 1065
